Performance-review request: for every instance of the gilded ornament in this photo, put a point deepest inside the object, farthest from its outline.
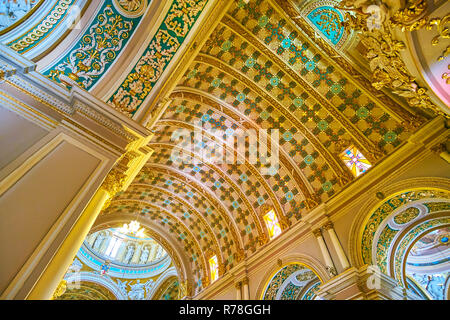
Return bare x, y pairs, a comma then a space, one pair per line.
446, 75
408, 17
406, 215
263, 239
317, 233
383, 52
331, 271
114, 182
62, 286
328, 225
164, 45
133, 8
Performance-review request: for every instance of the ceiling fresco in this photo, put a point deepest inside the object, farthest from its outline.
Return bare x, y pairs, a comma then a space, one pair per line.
13, 12
259, 69
42, 26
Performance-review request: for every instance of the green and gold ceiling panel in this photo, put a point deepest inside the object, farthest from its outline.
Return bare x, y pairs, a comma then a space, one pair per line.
212, 211
173, 226
201, 225
260, 191
172, 291
282, 184
248, 221
286, 42
184, 213
247, 176
194, 105
295, 143
246, 59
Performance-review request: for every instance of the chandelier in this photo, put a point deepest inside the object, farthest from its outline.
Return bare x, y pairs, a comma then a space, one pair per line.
133, 229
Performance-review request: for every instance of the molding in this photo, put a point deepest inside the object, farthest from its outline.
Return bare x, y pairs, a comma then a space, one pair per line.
67, 103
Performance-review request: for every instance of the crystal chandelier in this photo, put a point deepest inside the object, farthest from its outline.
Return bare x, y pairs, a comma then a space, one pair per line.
133, 228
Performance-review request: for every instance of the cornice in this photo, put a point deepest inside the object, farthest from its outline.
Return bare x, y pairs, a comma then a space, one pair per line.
20, 73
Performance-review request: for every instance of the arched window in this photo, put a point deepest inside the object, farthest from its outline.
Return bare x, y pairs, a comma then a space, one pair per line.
355, 161
214, 268
273, 226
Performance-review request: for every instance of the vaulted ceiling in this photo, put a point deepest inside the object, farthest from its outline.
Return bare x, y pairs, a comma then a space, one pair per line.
264, 65
260, 68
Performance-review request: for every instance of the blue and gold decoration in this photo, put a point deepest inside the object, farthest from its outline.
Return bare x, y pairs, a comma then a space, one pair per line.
328, 21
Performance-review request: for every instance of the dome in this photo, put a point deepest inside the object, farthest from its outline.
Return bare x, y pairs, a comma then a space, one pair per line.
125, 252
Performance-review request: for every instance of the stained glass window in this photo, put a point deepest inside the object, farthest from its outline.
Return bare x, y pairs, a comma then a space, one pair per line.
355, 160
272, 224
214, 267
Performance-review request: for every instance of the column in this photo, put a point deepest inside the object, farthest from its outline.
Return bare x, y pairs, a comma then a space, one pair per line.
51, 277
68, 144
137, 254
326, 255
337, 245
121, 251
152, 254
238, 287
246, 291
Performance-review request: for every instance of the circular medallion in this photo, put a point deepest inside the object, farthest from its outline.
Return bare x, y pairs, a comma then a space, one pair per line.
131, 8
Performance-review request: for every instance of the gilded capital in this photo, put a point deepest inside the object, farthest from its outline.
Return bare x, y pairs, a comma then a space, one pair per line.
328, 225
240, 255
114, 182
317, 233
245, 281
221, 269
62, 286
185, 289
238, 285
439, 148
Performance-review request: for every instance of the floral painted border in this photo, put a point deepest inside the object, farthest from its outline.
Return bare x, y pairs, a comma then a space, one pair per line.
97, 49
179, 20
